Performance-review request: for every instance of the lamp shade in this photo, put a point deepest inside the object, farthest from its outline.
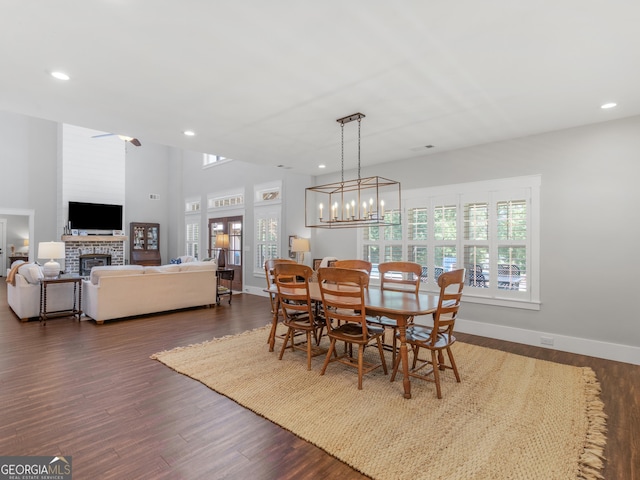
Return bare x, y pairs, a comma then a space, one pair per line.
300, 245
25, 246
51, 250
222, 240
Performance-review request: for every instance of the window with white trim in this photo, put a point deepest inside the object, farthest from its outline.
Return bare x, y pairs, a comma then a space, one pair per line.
489, 228
209, 159
192, 235
225, 201
267, 237
192, 206
267, 214
192, 226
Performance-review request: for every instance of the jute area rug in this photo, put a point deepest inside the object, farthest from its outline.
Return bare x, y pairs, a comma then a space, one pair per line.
511, 417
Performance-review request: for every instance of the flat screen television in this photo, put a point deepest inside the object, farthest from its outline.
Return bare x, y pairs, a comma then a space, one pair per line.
95, 216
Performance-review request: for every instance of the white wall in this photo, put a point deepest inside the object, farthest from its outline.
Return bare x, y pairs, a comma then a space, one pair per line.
148, 173
589, 231
93, 169
28, 160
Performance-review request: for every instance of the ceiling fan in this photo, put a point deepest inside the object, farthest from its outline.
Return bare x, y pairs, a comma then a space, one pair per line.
124, 138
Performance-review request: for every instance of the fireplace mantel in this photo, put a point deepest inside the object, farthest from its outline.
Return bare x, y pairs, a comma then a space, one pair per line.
94, 238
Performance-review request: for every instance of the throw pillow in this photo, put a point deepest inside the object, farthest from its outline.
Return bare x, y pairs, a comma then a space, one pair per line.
31, 272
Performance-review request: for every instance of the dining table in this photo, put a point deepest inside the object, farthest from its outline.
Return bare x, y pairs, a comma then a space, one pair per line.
399, 306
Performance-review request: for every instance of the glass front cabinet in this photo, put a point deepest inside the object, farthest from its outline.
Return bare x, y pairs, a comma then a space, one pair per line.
144, 248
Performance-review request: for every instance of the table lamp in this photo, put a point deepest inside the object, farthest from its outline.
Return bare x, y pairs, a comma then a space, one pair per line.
24, 250
222, 242
300, 246
53, 251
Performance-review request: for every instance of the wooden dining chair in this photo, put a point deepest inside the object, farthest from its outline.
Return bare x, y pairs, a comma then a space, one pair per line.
438, 337
342, 291
276, 312
354, 265
292, 282
268, 272
402, 277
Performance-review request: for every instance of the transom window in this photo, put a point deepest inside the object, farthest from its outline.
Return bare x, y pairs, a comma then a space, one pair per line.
225, 201
192, 206
209, 159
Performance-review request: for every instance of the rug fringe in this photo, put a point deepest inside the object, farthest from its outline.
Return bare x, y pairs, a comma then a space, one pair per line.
592, 458
206, 342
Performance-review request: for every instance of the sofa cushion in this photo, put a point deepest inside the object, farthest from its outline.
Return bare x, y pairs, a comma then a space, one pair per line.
162, 269
31, 272
191, 266
112, 270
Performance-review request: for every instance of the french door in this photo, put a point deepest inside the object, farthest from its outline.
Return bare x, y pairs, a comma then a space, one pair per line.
232, 227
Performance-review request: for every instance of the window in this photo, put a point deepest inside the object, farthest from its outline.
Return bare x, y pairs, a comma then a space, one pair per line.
267, 193
209, 159
192, 206
192, 226
489, 228
267, 237
225, 201
267, 211
192, 237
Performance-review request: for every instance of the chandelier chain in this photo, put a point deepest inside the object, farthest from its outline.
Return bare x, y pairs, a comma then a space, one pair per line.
342, 167
359, 124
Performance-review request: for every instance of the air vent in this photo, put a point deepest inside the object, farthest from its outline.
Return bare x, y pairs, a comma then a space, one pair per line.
154, 196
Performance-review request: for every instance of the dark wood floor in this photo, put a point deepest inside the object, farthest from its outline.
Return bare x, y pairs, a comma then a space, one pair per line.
91, 391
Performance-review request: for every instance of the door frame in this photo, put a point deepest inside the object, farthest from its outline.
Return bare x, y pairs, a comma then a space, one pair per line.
20, 212
224, 219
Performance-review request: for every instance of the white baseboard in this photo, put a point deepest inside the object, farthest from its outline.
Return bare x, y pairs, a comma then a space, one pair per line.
583, 346
255, 291
564, 343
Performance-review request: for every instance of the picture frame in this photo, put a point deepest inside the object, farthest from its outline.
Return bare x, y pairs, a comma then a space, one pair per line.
318, 261
74, 232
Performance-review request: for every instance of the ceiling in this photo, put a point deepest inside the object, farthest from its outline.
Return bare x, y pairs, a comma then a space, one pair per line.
264, 82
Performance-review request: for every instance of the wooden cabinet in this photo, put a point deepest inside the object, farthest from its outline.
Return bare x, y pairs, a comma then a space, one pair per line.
144, 244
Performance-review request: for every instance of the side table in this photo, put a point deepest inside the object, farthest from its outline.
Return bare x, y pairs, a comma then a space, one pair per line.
77, 287
224, 274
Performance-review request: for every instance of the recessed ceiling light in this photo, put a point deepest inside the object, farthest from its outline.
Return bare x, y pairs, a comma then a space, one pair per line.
60, 75
322, 165
189, 133
608, 105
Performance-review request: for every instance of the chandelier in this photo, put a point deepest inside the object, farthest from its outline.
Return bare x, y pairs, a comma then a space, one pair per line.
362, 202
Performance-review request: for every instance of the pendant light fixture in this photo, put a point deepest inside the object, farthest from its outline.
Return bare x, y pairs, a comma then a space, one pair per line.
362, 202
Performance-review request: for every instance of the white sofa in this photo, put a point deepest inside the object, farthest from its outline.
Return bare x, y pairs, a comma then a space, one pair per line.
124, 291
23, 292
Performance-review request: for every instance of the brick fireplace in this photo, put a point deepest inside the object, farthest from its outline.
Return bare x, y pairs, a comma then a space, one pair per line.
99, 248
